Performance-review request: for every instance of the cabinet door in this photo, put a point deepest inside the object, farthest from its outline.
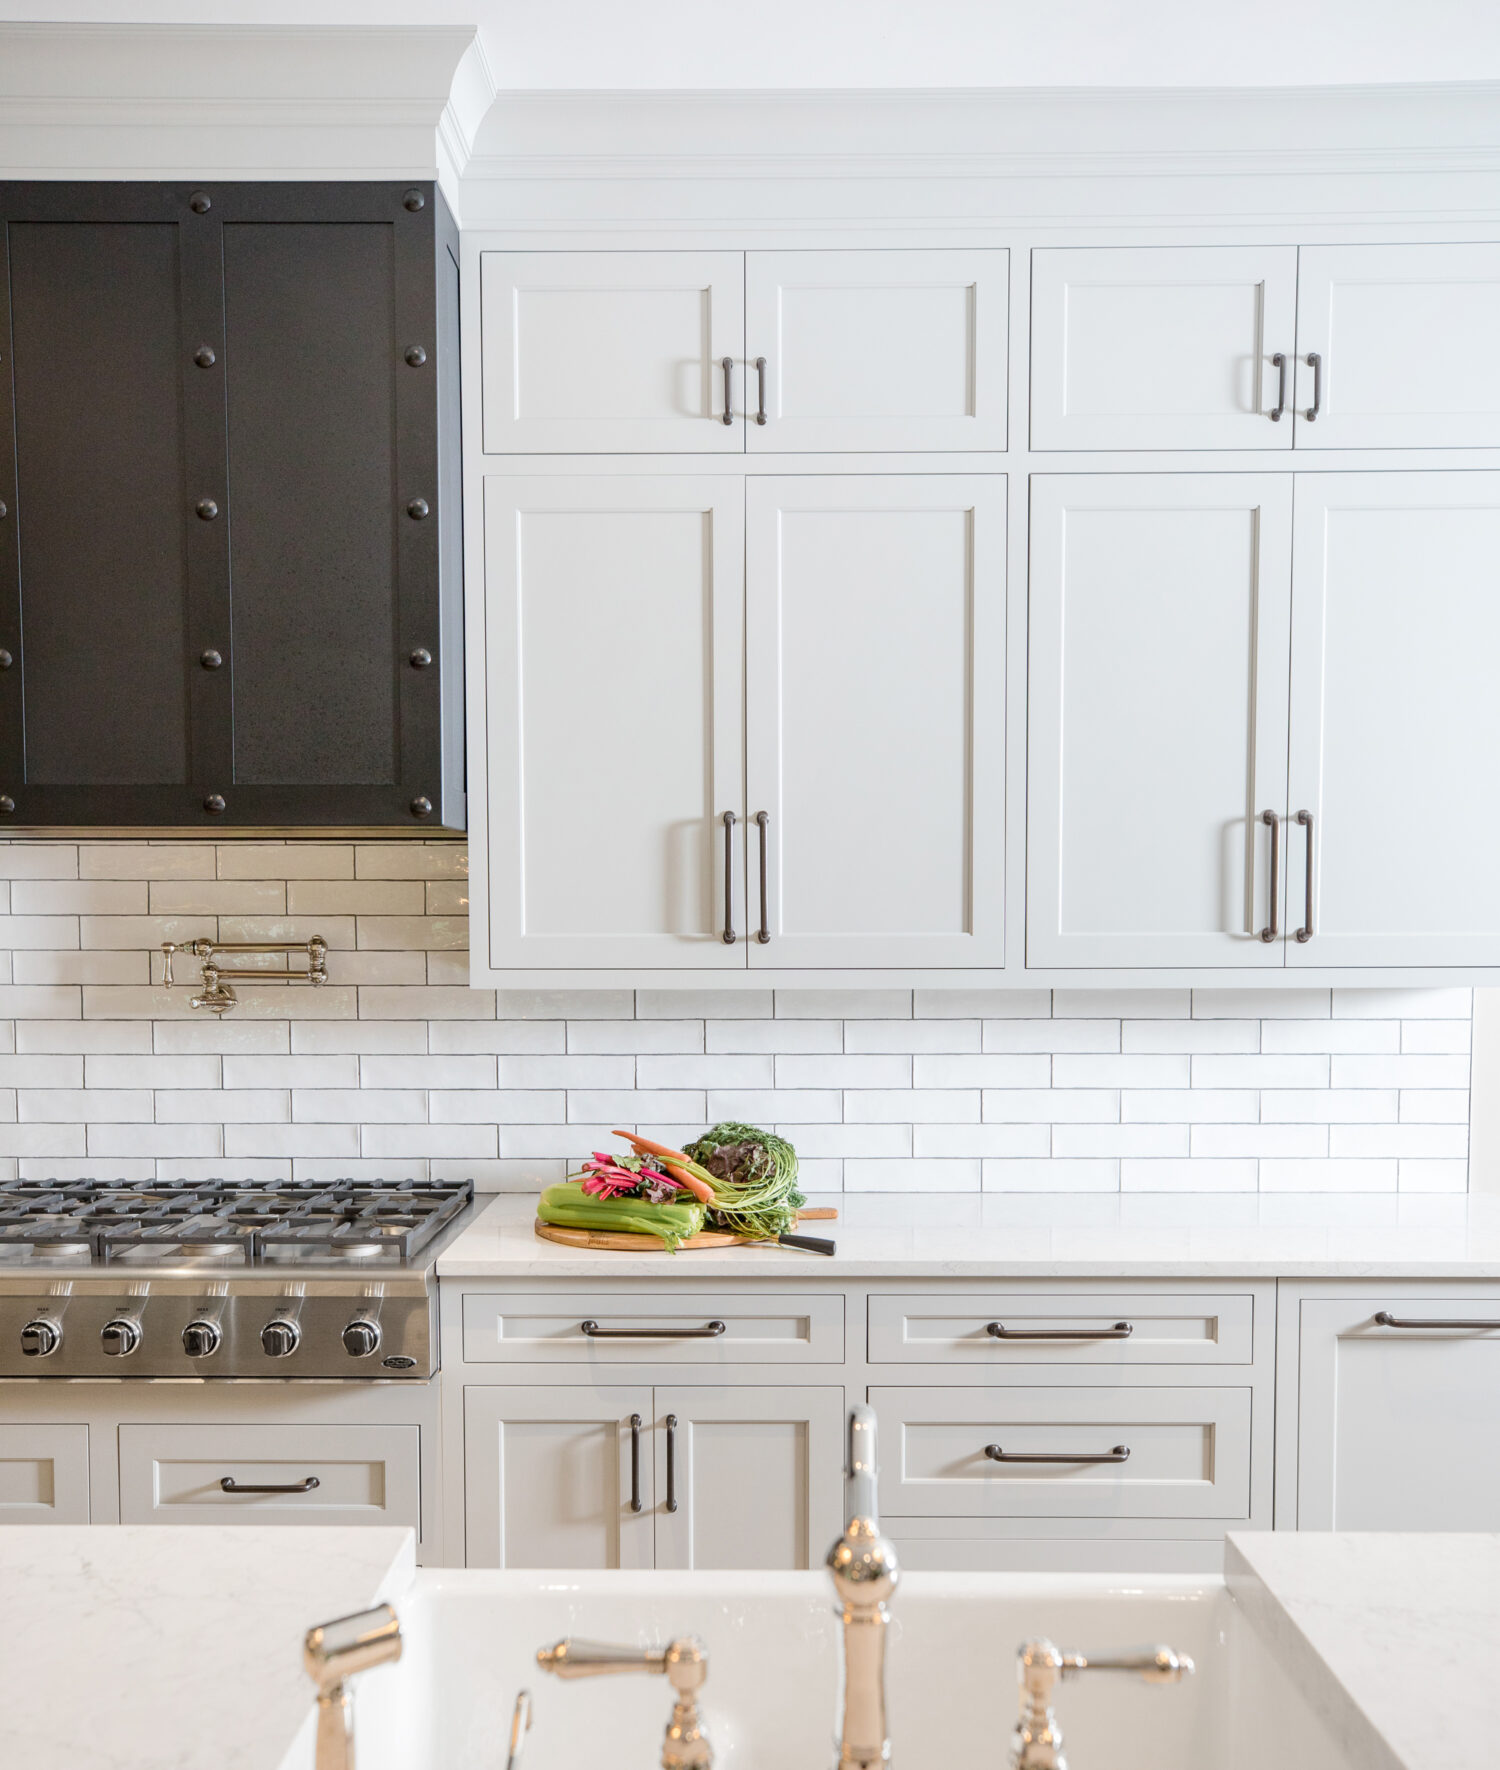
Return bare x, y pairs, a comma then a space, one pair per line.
1395, 629
747, 1477
1158, 717
606, 352
1409, 345
558, 1477
1163, 347
44, 1474
1397, 1427
876, 623
876, 350
612, 639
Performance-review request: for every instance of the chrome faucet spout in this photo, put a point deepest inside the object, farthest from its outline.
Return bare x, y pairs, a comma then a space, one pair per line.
865, 1572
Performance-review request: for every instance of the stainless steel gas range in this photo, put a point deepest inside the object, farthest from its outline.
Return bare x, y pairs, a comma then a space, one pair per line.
224, 1279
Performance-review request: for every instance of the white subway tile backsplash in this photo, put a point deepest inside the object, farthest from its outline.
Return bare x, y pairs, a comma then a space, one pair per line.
397, 1068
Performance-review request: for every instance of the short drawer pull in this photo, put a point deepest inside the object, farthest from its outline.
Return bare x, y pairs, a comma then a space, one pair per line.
1120, 1454
1122, 1330
305, 1485
1384, 1318
709, 1331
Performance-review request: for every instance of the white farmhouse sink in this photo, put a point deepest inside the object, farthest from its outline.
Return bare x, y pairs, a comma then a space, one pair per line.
773, 1646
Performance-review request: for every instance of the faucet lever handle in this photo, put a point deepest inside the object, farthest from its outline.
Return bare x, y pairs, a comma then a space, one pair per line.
597, 1659
684, 1663
1157, 1665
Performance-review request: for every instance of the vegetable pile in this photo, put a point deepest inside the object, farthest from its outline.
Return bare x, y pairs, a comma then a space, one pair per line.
734, 1178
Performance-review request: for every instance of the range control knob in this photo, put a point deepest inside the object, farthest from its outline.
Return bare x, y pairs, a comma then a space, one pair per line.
40, 1339
362, 1338
202, 1339
120, 1337
280, 1338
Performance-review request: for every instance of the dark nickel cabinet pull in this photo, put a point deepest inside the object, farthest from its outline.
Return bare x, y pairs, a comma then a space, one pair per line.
728, 936
635, 1462
1122, 1330
306, 1485
1384, 1318
1315, 363
1305, 932
1272, 930
671, 1462
760, 375
709, 1331
763, 933
727, 365
1120, 1454
1278, 362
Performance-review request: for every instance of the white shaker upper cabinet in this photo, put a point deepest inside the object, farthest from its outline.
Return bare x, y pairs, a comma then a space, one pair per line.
609, 352
1398, 347
885, 350
1163, 347
613, 668
1158, 718
1395, 720
875, 621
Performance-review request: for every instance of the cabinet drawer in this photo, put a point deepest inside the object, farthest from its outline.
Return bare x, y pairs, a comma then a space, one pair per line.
955, 1328
1189, 1452
548, 1328
44, 1474
363, 1474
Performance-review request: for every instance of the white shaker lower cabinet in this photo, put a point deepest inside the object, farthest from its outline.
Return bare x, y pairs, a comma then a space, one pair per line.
1388, 1424
1394, 717
44, 1473
856, 350
875, 617
598, 352
1407, 347
573, 1475
1160, 606
1163, 347
612, 684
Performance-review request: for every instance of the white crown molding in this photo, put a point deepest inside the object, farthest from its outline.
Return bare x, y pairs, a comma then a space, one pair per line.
226, 101
470, 97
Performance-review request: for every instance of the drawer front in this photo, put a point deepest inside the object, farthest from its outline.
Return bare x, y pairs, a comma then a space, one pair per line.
1189, 1452
44, 1474
956, 1328
629, 1327
318, 1474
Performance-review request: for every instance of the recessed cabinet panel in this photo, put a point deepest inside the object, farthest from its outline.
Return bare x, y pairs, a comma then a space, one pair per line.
1163, 347
876, 622
1158, 717
1002, 1329
597, 352
613, 647
44, 1474
672, 1328
1396, 626
876, 350
1408, 345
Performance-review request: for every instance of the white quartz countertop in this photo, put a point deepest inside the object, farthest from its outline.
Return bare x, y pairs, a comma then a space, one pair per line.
1392, 1639
1055, 1235
150, 1648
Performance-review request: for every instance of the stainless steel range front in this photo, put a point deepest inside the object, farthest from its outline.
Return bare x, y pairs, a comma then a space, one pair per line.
224, 1279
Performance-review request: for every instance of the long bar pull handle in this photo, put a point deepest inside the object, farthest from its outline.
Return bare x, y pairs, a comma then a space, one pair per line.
1305, 932
727, 365
1384, 1318
728, 935
709, 1331
1122, 1330
1120, 1454
763, 933
671, 1462
228, 1484
1272, 930
1315, 363
760, 374
1278, 411
635, 1462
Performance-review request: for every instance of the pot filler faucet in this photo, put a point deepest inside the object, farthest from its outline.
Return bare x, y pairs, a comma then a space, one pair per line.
865, 1571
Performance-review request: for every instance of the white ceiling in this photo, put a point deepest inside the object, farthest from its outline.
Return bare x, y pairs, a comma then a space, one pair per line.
541, 45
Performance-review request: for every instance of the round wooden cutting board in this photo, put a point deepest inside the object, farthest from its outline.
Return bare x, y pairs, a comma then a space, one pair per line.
622, 1241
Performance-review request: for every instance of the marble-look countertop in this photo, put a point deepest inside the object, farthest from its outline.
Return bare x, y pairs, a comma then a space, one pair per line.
1393, 1640
1053, 1235
139, 1647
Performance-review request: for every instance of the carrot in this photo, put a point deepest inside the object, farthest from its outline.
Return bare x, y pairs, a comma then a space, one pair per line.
644, 1146
697, 1180
700, 1189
